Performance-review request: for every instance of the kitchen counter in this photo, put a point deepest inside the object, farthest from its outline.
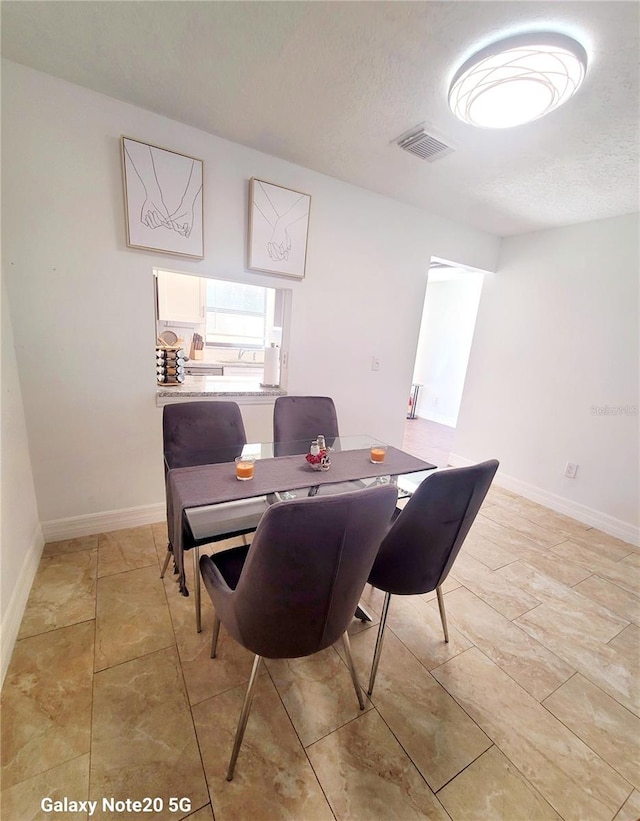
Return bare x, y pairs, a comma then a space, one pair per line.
201, 364
217, 387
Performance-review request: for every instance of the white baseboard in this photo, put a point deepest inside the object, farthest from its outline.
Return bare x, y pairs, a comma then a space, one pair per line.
596, 518
90, 523
440, 418
15, 610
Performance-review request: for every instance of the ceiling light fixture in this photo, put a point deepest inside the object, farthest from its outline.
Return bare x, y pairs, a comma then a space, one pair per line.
517, 80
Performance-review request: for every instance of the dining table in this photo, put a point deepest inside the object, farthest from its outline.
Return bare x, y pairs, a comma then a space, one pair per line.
205, 500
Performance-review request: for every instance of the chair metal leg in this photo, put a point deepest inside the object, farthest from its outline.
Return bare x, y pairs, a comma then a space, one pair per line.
196, 587
214, 636
166, 562
443, 615
378, 650
354, 676
244, 715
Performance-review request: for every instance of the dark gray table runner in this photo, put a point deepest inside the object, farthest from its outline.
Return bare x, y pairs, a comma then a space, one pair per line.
213, 484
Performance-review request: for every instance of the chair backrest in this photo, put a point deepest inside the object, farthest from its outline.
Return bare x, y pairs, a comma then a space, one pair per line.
297, 420
421, 546
197, 433
306, 569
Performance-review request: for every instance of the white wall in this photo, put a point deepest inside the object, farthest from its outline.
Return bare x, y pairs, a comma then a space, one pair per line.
446, 334
82, 302
21, 539
557, 335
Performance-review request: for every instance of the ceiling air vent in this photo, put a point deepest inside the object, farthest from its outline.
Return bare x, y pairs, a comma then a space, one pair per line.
424, 145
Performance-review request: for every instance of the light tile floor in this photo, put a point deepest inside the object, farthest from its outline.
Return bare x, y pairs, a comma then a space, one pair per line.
429, 440
530, 712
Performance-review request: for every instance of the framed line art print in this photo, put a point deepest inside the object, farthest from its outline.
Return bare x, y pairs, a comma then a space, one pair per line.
278, 229
163, 199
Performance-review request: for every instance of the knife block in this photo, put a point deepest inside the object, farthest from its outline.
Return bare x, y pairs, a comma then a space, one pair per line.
195, 354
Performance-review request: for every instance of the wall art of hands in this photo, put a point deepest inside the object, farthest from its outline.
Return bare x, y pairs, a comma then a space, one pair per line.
154, 212
279, 244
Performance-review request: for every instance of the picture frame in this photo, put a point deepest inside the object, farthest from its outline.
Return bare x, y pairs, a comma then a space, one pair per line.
163, 192
278, 229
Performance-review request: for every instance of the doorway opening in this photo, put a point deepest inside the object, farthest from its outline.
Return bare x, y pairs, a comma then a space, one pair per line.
452, 298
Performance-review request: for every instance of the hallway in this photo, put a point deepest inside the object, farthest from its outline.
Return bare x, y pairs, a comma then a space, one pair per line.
428, 440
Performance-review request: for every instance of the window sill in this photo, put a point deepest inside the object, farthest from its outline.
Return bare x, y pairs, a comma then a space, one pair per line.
241, 390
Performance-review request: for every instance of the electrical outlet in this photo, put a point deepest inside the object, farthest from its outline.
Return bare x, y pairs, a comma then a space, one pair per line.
435, 401
375, 364
571, 470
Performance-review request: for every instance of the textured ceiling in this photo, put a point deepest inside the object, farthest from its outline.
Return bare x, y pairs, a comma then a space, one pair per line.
330, 85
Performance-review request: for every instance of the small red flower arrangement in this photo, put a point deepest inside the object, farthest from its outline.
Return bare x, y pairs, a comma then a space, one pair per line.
320, 460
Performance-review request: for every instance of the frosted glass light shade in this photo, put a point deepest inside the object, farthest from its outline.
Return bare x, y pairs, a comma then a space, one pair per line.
517, 80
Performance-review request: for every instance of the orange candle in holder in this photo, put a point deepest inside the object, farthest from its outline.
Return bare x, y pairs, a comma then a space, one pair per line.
244, 468
377, 453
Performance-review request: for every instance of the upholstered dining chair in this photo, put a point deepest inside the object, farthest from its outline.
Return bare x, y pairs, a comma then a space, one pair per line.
199, 433
297, 420
293, 592
421, 546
